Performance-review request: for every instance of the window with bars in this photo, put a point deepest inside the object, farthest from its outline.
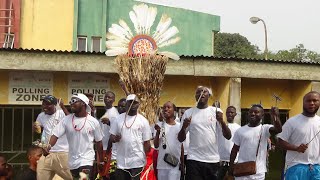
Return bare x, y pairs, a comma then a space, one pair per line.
82, 44
16, 127
284, 115
8, 41
96, 44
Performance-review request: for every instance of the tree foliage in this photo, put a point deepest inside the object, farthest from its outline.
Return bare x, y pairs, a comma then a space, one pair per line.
299, 53
236, 45
233, 45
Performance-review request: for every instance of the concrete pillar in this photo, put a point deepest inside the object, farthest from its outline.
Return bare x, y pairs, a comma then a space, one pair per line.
235, 97
315, 86
298, 90
222, 85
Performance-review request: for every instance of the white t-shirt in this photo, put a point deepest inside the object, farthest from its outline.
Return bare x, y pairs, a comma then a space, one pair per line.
247, 138
114, 145
203, 129
130, 151
300, 130
48, 122
173, 145
225, 145
186, 141
81, 134
111, 114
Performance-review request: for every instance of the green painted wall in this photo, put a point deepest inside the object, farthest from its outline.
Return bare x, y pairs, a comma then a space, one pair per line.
195, 28
90, 20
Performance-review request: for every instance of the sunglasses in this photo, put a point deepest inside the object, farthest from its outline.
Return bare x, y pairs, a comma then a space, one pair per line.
72, 101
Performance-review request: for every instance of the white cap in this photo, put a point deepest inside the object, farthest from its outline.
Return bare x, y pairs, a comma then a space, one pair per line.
219, 110
83, 98
208, 89
132, 97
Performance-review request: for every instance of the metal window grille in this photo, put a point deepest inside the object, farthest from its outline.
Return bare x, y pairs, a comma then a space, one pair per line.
16, 132
96, 44
8, 41
82, 44
7, 19
284, 115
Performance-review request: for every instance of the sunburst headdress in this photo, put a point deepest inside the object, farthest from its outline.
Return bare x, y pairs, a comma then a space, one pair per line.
122, 40
140, 62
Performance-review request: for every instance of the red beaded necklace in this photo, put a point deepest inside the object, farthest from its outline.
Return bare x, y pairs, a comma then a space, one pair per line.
75, 127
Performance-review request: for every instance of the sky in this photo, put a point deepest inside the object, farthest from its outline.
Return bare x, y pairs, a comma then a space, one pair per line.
289, 22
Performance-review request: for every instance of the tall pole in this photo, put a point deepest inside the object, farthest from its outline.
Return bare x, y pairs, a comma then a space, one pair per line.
265, 40
254, 20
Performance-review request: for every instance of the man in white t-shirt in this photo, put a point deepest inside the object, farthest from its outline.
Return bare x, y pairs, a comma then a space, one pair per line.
251, 141
93, 112
121, 105
57, 161
301, 138
131, 132
82, 131
203, 123
109, 116
226, 145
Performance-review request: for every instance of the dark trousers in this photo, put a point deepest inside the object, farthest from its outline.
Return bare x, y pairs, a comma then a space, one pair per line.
121, 174
202, 171
223, 169
84, 169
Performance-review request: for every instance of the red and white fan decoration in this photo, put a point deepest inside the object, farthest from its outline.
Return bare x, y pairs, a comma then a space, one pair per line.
122, 40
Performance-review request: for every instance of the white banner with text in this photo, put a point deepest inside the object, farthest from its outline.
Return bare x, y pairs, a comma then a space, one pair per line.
29, 87
89, 83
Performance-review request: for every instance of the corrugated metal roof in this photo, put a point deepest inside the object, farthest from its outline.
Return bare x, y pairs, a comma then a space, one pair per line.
253, 59
182, 56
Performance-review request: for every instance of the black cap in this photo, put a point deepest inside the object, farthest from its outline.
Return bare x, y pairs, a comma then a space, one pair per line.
50, 99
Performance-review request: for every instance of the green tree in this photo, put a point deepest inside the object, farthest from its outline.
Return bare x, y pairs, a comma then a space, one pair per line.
299, 53
233, 45
236, 45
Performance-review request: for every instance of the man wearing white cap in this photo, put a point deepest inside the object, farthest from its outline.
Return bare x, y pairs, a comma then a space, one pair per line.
82, 130
131, 132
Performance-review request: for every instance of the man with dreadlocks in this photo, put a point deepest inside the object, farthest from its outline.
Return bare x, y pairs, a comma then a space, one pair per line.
131, 132
203, 122
300, 137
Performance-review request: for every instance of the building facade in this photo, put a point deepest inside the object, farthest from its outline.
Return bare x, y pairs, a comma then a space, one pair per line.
64, 28
10, 23
93, 18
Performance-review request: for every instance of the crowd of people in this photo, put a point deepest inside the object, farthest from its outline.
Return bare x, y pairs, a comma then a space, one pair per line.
197, 144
